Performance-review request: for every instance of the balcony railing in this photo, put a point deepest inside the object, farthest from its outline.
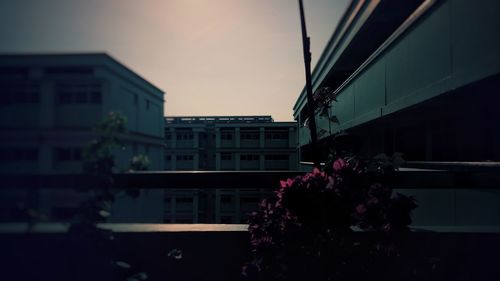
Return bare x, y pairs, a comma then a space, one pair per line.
458, 218
413, 175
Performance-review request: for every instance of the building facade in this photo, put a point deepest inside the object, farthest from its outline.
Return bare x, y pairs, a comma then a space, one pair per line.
420, 78
224, 143
230, 143
51, 103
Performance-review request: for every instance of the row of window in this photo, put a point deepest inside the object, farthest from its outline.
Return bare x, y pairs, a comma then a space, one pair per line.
229, 136
18, 154
226, 136
19, 97
79, 93
67, 154
180, 157
136, 102
184, 136
277, 136
180, 136
276, 157
53, 70
224, 156
13, 93
184, 157
249, 136
31, 154
65, 97
69, 70
249, 157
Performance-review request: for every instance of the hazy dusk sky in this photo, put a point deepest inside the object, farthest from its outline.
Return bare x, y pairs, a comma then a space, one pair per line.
211, 57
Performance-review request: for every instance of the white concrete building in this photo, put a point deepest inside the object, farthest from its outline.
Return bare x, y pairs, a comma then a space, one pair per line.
230, 143
50, 103
221, 143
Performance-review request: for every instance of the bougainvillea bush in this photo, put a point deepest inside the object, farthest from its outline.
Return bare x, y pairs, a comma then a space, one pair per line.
311, 227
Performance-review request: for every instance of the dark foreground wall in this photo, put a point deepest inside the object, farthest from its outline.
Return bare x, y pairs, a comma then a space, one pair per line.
205, 256
219, 255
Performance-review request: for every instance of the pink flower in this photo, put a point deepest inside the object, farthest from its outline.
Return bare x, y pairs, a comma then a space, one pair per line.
339, 164
287, 183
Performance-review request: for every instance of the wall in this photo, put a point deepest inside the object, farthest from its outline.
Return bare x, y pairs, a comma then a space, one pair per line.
454, 44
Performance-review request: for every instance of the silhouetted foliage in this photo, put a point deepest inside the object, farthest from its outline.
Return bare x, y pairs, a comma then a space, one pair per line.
307, 229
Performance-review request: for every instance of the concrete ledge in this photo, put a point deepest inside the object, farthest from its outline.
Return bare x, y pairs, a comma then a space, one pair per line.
47, 228
23, 227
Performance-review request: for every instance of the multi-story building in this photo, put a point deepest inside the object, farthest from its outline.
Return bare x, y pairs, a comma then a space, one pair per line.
230, 143
420, 78
50, 103
218, 143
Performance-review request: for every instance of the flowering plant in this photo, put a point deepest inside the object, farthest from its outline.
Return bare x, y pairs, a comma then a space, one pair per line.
139, 162
307, 230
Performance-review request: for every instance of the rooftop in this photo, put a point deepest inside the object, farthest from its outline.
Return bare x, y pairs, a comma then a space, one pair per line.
69, 60
218, 119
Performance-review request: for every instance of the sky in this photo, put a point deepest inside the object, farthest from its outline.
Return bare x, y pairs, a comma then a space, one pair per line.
211, 57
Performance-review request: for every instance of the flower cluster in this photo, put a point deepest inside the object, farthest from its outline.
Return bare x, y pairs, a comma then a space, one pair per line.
322, 208
139, 162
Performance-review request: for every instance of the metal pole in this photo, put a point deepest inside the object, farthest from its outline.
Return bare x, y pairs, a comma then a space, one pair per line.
310, 100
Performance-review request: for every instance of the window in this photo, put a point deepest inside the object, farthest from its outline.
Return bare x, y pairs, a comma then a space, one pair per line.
67, 154
277, 135
184, 200
64, 98
168, 157
68, 70
18, 155
95, 97
19, 93
12, 72
30, 154
81, 97
184, 136
226, 156
184, 157
33, 97
147, 104
250, 136
226, 136
19, 97
136, 99
77, 154
277, 157
79, 93
63, 154
249, 157
226, 199
226, 219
